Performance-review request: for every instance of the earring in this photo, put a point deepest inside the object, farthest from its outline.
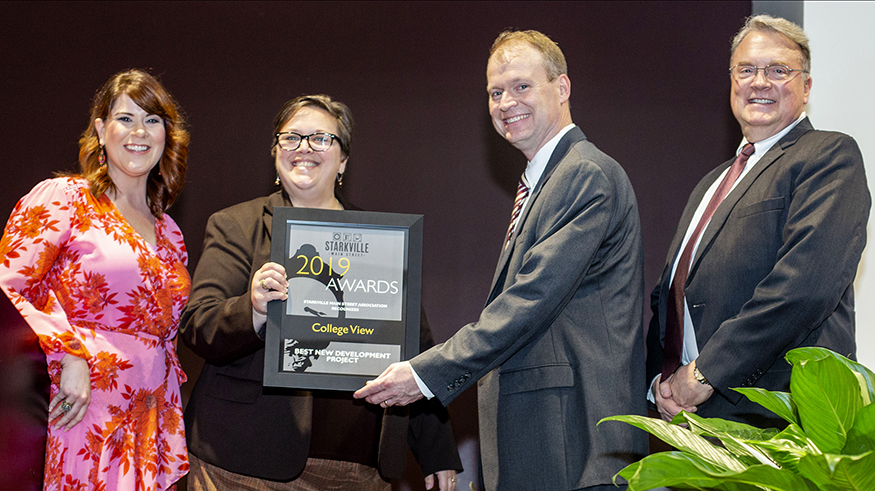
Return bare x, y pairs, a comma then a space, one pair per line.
340, 179
101, 156
277, 182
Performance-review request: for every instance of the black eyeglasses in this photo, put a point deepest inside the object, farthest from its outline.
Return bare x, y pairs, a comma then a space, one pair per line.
291, 141
775, 73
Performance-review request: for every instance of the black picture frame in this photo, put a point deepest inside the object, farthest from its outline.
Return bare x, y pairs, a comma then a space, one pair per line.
342, 326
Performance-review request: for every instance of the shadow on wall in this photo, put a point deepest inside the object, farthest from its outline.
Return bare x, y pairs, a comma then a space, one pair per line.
505, 162
24, 401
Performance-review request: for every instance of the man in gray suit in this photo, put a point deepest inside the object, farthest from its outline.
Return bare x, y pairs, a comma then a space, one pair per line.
774, 266
559, 344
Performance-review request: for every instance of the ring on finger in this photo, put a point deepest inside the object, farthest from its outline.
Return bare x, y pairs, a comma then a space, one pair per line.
66, 407
263, 286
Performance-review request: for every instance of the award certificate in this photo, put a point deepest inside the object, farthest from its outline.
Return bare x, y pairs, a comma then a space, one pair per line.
354, 297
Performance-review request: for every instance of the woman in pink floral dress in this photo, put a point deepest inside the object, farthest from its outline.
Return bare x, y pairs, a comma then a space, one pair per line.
97, 269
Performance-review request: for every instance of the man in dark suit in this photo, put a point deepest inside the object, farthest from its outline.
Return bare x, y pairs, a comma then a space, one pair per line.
774, 267
560, 343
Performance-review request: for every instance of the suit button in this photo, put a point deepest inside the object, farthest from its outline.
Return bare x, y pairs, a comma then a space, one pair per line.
450, 388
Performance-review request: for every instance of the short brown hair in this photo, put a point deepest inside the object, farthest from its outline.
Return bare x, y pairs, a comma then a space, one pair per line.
553, 59
767, 23
167, 178
336, 109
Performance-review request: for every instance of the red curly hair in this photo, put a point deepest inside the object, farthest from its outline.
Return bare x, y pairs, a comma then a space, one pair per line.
168, 177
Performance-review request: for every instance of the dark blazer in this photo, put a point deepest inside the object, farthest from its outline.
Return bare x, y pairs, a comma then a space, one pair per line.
231, 420
774, 269
560, 342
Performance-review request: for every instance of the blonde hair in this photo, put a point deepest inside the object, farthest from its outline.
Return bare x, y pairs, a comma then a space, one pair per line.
552, 58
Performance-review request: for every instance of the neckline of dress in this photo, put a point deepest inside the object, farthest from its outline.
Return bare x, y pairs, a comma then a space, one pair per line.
157, 226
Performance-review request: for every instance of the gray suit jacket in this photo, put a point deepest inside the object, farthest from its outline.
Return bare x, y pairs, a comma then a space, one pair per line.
559, 344
774, 269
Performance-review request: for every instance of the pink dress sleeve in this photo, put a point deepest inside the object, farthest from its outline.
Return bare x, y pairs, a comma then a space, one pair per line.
33, 240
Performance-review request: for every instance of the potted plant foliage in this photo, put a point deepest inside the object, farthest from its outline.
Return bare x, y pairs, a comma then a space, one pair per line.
829, 443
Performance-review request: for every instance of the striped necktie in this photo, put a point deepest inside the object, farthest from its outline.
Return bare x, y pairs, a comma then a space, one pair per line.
522, 192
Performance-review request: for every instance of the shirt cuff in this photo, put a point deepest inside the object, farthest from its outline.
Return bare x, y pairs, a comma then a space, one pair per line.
650, 396
422, 387
258, 322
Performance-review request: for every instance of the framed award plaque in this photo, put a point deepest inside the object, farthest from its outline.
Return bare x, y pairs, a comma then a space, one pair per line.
355, 279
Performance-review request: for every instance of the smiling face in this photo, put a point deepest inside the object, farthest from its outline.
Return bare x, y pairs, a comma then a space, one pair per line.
526, 108
134, 141
306, 175
764, 107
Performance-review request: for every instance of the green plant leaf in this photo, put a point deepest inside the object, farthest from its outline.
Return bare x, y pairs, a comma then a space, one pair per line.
780, 403
684, 471
830, 411
684, 440
827, 396
718, 427
674, 469
861, 438
732, 434
787, 447
864, 376
840, 472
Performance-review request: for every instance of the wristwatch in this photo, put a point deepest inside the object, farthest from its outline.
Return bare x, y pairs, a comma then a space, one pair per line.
701, 378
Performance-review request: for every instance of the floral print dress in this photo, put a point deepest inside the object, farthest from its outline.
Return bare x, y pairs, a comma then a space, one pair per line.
90, 286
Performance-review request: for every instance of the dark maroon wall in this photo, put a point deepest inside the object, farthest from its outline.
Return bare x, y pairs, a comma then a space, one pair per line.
649, 86
24, 397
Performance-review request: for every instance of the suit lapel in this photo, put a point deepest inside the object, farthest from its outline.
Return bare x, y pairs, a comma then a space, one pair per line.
728, 204
687, 217
573, 136
674, 249
276, 199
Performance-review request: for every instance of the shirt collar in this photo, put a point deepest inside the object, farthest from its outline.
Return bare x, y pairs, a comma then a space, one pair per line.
761, 147
535, 167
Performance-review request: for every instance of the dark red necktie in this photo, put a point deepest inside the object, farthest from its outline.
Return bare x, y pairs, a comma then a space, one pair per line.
674, 322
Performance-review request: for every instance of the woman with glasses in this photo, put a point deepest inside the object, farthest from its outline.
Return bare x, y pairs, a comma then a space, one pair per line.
244, 436
97, 269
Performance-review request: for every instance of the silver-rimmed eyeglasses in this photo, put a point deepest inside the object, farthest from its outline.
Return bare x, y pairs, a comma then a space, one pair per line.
775, 73
291, 141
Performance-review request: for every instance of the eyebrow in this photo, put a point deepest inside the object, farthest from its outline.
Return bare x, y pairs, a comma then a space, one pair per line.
772, 62
304, 133
511, 83
126, 113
